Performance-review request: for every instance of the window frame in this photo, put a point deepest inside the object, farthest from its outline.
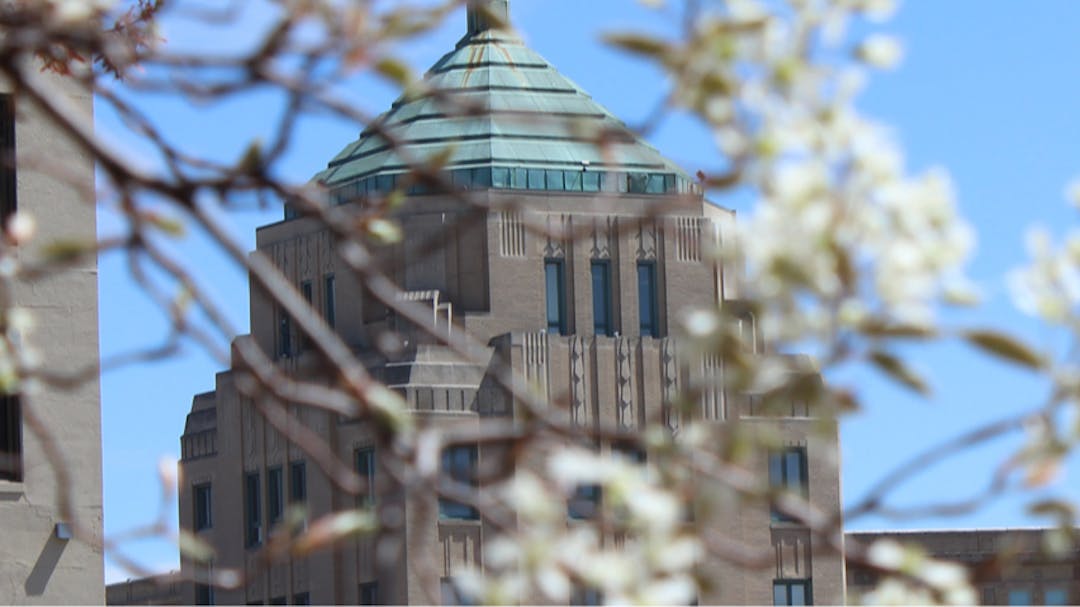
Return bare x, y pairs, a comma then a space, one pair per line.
275, 495
330, 300
252, 510
555, 277
648, 320
600, 270
298, 490
203, 506
364, 459
787, 584
461, 472
782, 481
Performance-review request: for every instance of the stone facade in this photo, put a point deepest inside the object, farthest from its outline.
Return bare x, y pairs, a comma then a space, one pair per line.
38, 561
555, 284
1006, 566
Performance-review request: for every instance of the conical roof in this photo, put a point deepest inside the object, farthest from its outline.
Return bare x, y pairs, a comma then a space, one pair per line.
508, 120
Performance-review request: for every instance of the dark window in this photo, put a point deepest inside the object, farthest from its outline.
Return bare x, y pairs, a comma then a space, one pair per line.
365, 467
278, 600
369, 593
8, 196
297, 482
601, 297
309, 298
792, 592
329, 303
11, 468
587, 596
787, 471
584, 503
630, 450
637, 183
301, 598
284, 334
275, 495
555, 285
646, 289
204, 518
252, 510
204, 594
481, 178
459, 465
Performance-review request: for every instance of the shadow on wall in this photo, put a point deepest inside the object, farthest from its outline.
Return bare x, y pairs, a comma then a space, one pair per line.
45, 565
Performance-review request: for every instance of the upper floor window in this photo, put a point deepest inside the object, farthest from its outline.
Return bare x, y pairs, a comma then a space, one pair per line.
11, 468
555, 287
8, 182
1055, 595
204, 517
788, 471
601, 296
459, 465
284, 334
1019, 596
365, 467
275, 495
329, 300
309, 297
297, 482
252, 510
369, 593
647, 312
792, 592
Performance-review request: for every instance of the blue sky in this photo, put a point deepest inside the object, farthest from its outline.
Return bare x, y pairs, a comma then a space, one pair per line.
987, 90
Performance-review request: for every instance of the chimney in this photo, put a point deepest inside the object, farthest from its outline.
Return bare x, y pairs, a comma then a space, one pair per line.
487, 14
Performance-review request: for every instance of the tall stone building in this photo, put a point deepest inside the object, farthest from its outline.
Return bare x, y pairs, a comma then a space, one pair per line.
582, 308
39, 560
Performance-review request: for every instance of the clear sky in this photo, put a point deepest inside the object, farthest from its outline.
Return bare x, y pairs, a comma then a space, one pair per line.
988, 90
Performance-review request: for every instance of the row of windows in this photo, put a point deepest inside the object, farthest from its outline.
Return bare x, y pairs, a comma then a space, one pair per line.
520, 178
558, 305
275, 499
329, 311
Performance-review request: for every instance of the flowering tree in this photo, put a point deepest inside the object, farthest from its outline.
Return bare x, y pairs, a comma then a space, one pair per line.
847, 255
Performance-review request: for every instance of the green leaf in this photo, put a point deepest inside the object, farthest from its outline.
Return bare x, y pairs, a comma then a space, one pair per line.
876, 327
895, 368
1005, 347
194, 548
394, 70
638, 44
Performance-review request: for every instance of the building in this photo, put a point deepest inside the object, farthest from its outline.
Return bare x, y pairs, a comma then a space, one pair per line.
583, 308
1006, 566
164, 589
39, 560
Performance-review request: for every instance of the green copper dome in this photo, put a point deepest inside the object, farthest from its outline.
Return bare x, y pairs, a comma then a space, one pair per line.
509, 121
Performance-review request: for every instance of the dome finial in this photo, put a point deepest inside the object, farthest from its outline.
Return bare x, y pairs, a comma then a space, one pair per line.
487, 14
